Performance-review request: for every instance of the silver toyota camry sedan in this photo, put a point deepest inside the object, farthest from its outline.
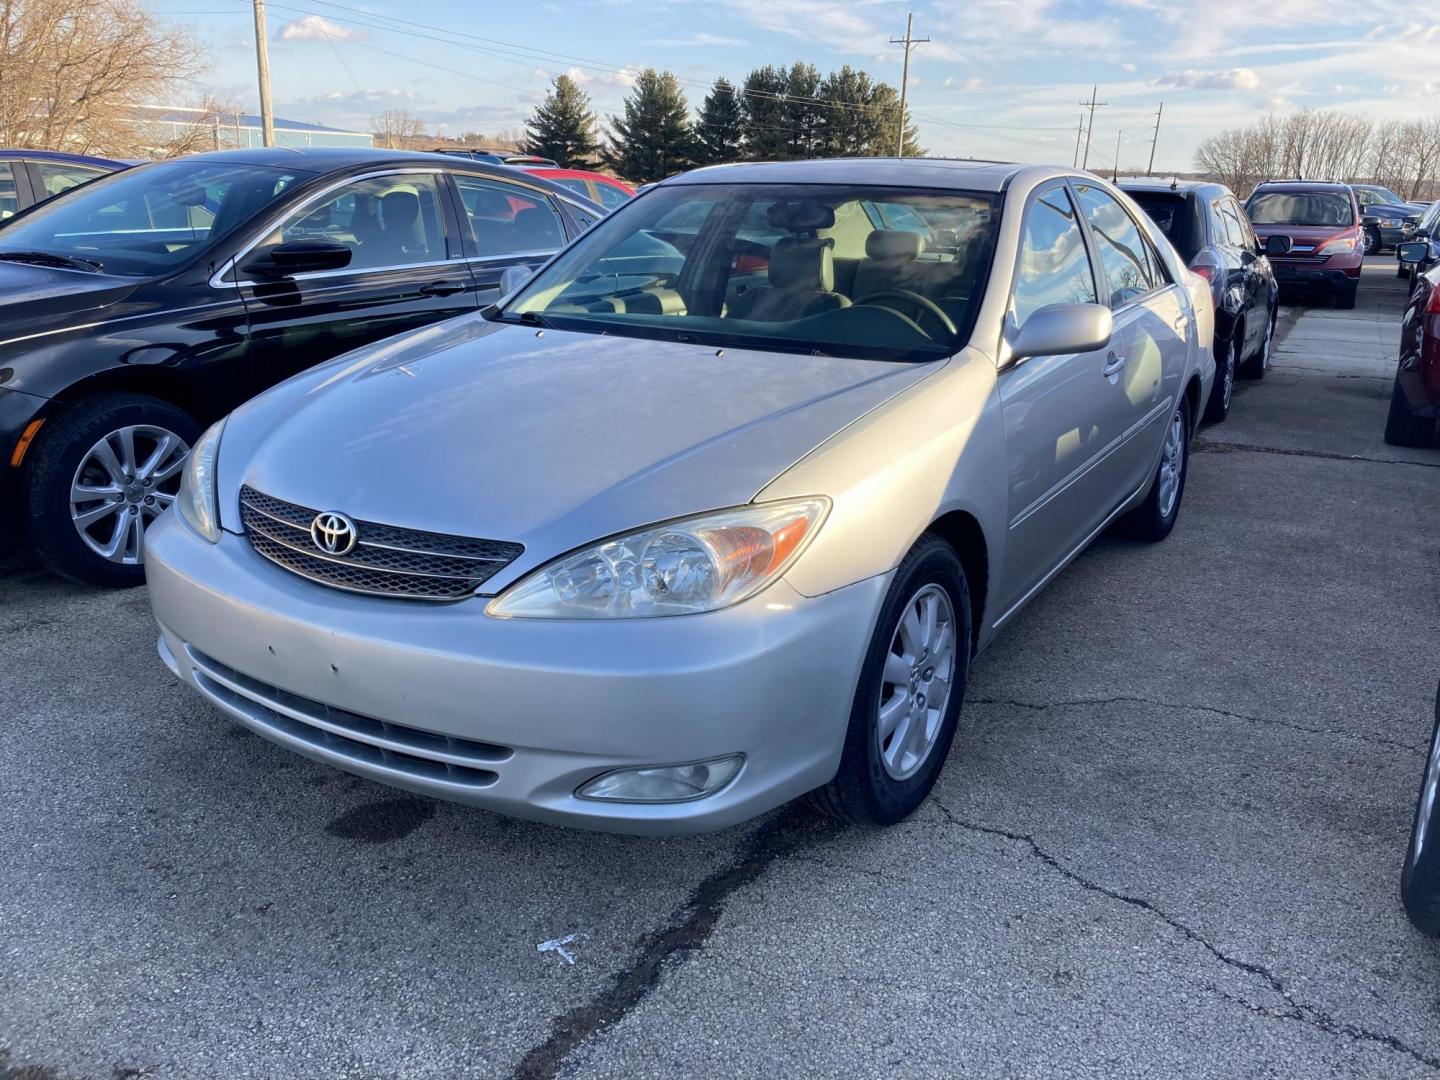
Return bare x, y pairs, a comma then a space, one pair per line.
710, 513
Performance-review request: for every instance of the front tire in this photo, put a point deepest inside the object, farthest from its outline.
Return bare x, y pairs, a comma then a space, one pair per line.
1218, 407
1153, 519
1404, 428
1420, 879
1372, 242
899, 736
103, 470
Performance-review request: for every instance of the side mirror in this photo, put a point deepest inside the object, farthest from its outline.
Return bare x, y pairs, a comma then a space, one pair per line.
514, 277
1058, 329
300, 257
1413, 252
1278, 245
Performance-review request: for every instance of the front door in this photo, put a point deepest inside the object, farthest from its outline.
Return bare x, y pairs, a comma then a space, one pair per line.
406, 270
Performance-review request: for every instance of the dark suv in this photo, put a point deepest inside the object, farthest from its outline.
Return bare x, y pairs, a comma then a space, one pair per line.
1384, 216
1323, 225
1214, 237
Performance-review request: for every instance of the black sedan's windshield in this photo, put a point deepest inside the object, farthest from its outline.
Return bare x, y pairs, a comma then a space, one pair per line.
881, 273
1301, 208
148, 220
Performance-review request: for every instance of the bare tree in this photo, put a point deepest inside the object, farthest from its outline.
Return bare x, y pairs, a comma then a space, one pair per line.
396, 129
71, 72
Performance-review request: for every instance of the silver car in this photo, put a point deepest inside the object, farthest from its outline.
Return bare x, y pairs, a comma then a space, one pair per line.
712, 512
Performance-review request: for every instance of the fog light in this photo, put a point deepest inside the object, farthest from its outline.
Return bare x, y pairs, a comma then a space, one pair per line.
664, 783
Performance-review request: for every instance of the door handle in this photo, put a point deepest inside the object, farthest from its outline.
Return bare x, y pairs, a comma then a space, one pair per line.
1113, 365
442, 288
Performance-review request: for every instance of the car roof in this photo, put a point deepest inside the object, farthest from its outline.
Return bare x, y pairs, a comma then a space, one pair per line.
1305, 185
1161, 186
572, 174
322, 159
10, 154
963, 174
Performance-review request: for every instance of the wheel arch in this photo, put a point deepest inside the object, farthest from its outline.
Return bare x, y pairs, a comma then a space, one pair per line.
153, 382
962, 531
1192, 395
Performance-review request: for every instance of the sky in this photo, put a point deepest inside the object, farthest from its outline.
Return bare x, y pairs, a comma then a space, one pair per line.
998, 79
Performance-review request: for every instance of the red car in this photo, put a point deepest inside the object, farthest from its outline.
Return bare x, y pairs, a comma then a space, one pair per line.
597, 187
1327, 241
1415, 397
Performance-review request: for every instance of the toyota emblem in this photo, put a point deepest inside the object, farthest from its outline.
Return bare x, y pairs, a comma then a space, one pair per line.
333, 533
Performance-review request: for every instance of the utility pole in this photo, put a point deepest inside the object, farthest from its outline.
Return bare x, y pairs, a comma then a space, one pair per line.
1115, 172
262, 64
1092, 105
909, 41
1155, 139
1075, 161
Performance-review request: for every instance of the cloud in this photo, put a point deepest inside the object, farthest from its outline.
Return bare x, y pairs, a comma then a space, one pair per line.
1233, 79
692, 40
972, 84
316, 28
1127, 68
581, 77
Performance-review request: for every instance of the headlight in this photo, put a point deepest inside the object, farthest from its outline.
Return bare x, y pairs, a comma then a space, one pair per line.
1390, 223
675, 568
1342, 245
196, 500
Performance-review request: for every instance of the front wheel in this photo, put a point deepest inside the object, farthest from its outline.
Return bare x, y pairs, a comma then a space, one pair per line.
907, 703
1372, 242
1218, 407
1420, 879
102, 471
1153, 519
1404, 428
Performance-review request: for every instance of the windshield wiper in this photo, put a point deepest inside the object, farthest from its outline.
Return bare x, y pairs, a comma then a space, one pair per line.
49, 258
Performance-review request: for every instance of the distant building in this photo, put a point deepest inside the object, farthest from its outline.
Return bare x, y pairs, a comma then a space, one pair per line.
232, 131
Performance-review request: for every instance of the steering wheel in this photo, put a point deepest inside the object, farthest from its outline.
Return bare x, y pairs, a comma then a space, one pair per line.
923, 307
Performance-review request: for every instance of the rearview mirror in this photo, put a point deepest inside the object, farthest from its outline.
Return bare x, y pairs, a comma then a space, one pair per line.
1064, 328
300, 257
513, 278
1413, 252
1278, 245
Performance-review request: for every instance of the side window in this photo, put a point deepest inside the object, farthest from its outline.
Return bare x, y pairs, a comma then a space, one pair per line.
1129, 272
384, 220
57, 178
1247, 231
1235, 232
9, 196
583, 219
577, 186
1053, 267
506, 219
611, 196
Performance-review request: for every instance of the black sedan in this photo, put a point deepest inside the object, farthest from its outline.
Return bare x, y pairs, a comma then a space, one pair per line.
1213, 235
1415, 397
1428, 230
139, 308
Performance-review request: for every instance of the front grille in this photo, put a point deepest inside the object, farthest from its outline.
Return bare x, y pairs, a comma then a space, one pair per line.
1298, 259
385, 561
426, 756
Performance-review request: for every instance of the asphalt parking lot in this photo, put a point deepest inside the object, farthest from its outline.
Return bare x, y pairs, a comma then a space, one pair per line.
1168, 841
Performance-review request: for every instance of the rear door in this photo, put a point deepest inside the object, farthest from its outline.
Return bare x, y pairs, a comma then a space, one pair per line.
1248, 280
503, 224
1152, 332
407, 269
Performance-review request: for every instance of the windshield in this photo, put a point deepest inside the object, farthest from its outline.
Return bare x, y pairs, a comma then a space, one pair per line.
878, 273
148, 220
1173, 215
1378, 196
1301, 208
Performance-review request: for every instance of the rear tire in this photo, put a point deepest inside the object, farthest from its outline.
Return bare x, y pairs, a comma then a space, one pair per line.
1221, 394
1420, 878
65, 454
879, 781
1153, 519
1404, 428
1256, 366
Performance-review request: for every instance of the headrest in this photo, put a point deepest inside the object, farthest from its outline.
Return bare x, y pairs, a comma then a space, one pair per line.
800, 216
399, 207
894, 244
801, 262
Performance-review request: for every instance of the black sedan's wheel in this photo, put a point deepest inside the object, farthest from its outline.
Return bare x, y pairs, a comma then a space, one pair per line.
1153, 519
1372, 242
1420, 879
1227, 355
1404, 428
102, 472
1256, 366
908, 700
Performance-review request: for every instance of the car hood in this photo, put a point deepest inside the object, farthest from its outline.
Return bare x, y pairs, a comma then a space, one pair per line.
1392, 210
551, 439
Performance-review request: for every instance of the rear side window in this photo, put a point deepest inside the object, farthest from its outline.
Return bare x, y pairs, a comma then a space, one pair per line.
611, 196
1053, 267
1173, 215
1129, 268
59, 178
9, 196
577, 186
506, 219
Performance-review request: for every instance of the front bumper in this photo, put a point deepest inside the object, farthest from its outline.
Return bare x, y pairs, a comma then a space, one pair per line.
17, 410
1318, 277
514, 715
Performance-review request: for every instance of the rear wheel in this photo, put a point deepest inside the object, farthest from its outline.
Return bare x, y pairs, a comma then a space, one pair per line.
1403, 427
1153, 519
907, 704
1420, 879
104, 470
1218, 407
1259, 364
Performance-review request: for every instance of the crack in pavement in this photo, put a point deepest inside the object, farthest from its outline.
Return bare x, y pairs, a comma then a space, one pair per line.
686, 933
1298, 1011
1130, 699
1205, 446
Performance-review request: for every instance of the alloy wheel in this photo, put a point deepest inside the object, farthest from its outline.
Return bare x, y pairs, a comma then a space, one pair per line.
1232, 355
1429, 792
1172, 462
916, 683
1265, 349
122, 484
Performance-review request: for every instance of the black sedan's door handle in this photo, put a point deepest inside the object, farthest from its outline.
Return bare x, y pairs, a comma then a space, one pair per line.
442, 288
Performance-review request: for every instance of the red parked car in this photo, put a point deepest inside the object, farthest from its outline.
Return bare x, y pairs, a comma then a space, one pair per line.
1415, 397
1327, 241
597, 187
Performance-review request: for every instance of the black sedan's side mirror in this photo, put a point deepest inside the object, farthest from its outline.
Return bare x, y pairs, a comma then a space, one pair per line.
1278, 245
299, 257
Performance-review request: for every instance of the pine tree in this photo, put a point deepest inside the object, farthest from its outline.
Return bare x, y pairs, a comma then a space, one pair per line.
850, 129
719, 130
762, 111
562, 126
804, 115
653, 139
885, 109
